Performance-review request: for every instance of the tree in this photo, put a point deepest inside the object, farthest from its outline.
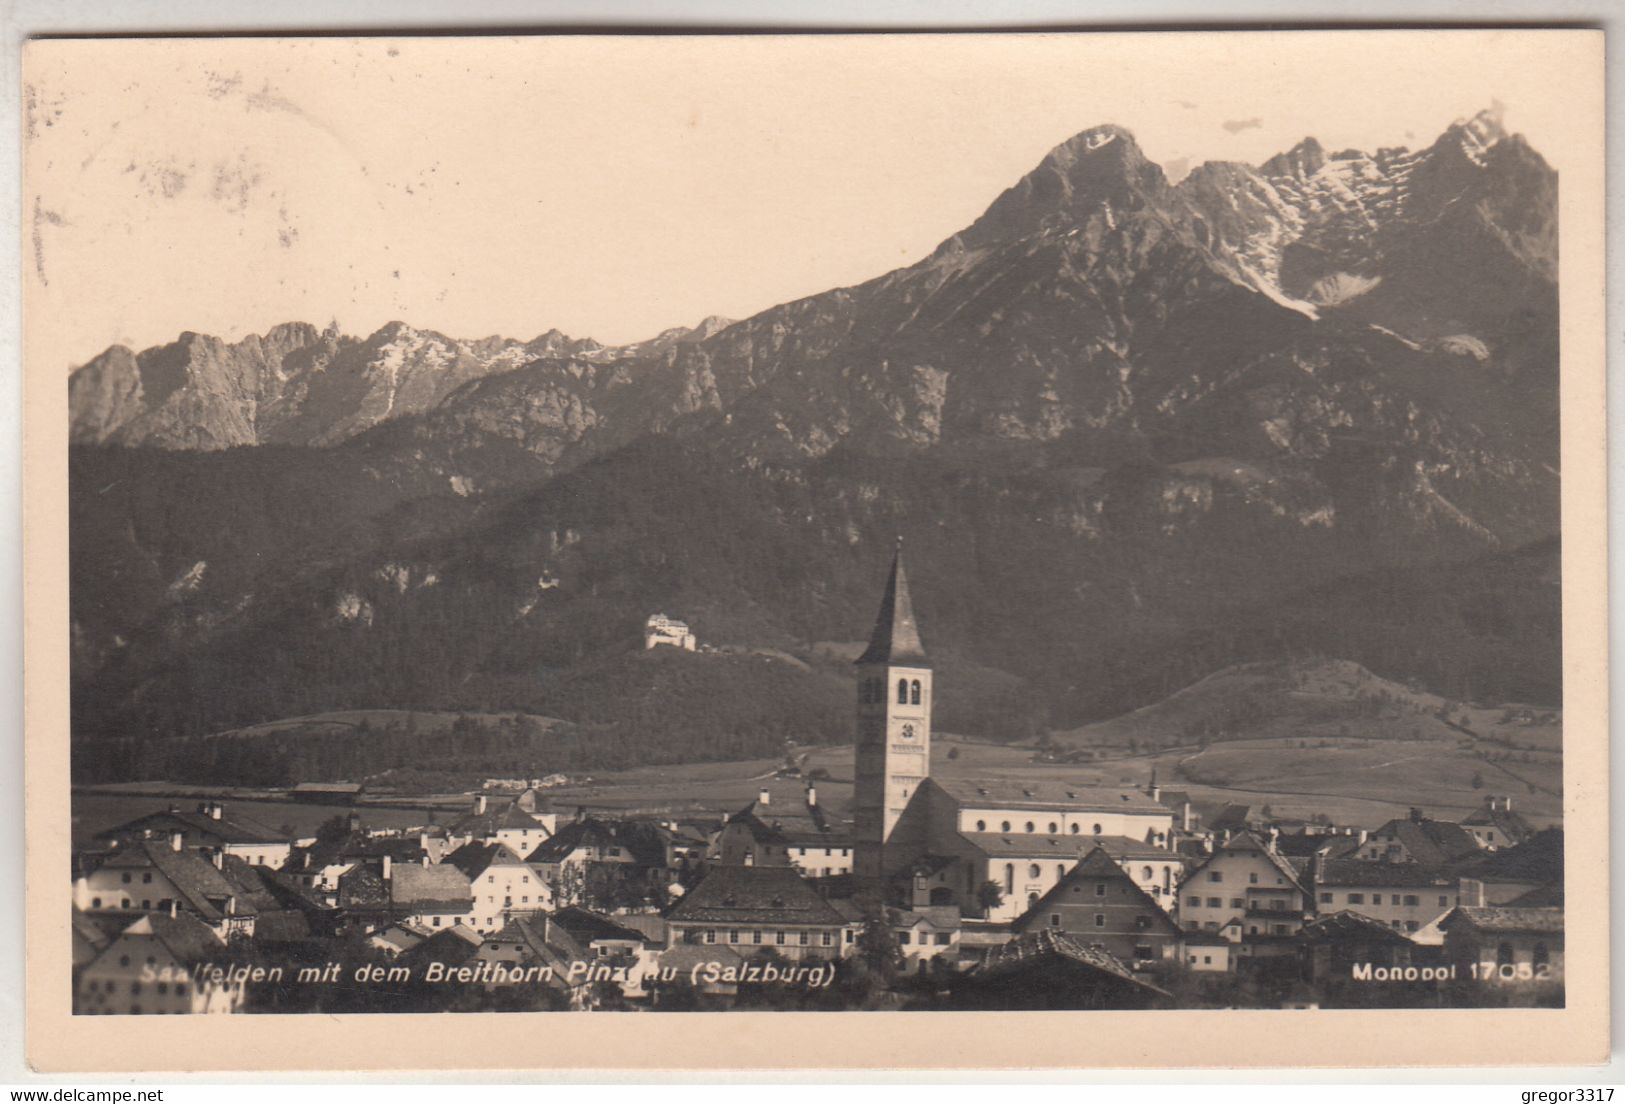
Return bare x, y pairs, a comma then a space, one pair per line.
335, 827
989, 896
878, 947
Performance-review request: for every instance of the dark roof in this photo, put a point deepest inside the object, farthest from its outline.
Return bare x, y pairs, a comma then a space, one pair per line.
1546, 896
189, 941
753, 895
587, 832
1431, 842
1203, 939
1231, 817
1346, 926
204, 888
896, 638
228, 828
494, 820
1034, 949
288, 926
1537, 859
473, 859
1504, 919
587, 926
438, 887
1360, 872
1303, 844
1511, 824
1040, 795
790, 825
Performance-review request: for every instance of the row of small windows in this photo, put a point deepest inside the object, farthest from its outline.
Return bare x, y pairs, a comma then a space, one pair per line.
162, 987
780, 938
1030, 826
1252, 877
873, 691
1410, 899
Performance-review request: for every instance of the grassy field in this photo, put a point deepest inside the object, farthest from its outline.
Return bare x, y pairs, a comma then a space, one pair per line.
1305, 738
1316, 699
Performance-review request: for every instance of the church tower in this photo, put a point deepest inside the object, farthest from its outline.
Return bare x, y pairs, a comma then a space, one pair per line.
894, 726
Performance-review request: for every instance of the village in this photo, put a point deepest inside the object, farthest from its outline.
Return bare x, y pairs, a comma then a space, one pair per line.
941, 891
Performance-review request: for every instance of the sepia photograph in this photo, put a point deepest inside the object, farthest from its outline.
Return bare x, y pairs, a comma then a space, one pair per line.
824, 524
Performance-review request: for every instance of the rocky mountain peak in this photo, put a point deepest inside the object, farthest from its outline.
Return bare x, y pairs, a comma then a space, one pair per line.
1301, 161
1094, 169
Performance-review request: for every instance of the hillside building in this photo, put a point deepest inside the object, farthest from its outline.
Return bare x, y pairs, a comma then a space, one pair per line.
660, 629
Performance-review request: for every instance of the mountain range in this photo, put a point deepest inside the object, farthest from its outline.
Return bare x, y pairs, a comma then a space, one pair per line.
1132, 430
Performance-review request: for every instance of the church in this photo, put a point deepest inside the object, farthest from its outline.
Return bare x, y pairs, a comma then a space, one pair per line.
925, 840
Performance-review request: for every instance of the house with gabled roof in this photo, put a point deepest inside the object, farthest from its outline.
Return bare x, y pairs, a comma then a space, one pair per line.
1512, 872
793, 832
1495, 825
1498, 944
208, 826
1248, 887
152, 875
151, 967
501, 882
927, 935
1334, 944
1048, 969
1097, 902
504, 822
750, 908
1404, 896
431, 897
1419, 839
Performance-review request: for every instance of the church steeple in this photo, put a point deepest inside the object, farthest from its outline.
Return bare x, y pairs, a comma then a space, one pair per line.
896, 639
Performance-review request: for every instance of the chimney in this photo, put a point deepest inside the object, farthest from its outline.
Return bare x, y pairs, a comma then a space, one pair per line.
215, 810
354, 822
764, 798
386, 868
812, 797
1185, 816
479, 805
1364, 835
218, 855
177, 839
1317, 869
174, 908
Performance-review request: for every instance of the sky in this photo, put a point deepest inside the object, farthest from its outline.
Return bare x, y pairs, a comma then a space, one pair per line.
613, 187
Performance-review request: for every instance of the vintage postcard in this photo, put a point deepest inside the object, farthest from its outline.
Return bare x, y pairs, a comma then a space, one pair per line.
1087, 539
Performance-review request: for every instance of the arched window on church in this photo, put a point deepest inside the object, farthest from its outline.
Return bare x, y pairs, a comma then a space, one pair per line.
914, 691
1033, 871
902, 691
1097, 829
1076, 828
1009, 877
